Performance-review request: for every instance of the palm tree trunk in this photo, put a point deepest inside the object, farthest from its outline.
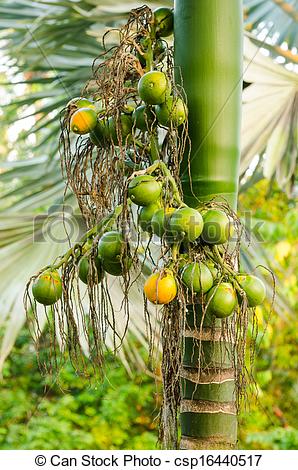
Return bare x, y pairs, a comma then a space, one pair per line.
208, 53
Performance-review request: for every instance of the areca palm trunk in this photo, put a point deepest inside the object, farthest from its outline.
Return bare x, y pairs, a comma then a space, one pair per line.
208, 56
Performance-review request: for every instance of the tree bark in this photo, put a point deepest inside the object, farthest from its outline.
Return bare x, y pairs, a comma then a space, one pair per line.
208, 56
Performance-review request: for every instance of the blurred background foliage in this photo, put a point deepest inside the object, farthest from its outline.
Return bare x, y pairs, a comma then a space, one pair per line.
272, 420
47, 49
41, 413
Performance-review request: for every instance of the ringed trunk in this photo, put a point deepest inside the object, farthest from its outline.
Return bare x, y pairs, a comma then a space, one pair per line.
208, 56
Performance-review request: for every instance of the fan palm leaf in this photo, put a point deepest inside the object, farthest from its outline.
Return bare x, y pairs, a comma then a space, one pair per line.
274, 19
270, 116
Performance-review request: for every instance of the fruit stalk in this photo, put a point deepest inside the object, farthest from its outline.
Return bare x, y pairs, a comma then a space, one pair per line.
103, 225
154, 150
159, 165
208, 53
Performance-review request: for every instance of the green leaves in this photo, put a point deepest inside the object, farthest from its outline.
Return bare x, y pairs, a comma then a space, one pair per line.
284, 438
35, 414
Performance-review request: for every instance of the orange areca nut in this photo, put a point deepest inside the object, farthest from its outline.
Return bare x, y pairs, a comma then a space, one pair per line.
84, 120
161, 287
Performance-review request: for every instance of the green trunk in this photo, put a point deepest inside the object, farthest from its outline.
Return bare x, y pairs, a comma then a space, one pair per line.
208, 53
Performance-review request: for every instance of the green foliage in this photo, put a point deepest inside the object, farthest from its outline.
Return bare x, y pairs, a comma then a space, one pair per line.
272, 421
276, 211
279, 438
39, 413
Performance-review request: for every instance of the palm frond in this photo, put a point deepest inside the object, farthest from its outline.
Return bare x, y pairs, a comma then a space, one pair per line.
33, 183
275, 20
270, 110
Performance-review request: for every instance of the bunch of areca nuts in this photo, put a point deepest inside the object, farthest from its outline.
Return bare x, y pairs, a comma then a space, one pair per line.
194, 236
186, 231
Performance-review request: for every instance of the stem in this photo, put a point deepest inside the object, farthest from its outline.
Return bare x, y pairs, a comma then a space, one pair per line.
149, 58
175, 251
104, 224
168, 175
154, 148
159, 165
149, 54
176, 194
220, 261
139, 144
212, 80
226, 268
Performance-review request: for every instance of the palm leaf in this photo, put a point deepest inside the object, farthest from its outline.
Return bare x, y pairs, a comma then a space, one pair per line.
270, 109
275, 20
